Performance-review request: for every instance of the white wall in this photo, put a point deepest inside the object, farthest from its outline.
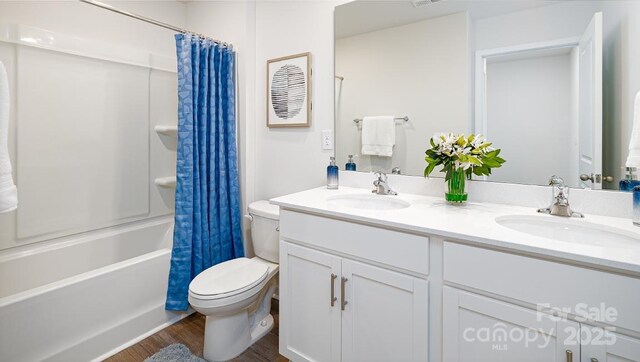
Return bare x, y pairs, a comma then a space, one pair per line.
86, 157
291, 159
621, 75
529, 117
274, 162
403, 71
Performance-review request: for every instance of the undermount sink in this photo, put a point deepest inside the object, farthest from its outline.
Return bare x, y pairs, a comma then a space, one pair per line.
568, 229
368, 202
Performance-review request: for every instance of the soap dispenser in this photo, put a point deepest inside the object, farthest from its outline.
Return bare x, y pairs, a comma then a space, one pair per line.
350, 166
630, 181
332, 174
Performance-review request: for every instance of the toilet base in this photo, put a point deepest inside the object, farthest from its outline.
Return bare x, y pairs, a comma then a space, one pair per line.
262, 328
227, 337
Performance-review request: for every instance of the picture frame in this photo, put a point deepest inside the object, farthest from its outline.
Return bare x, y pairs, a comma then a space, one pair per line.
289, 101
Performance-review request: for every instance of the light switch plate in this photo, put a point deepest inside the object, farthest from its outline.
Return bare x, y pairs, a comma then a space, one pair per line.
327, 139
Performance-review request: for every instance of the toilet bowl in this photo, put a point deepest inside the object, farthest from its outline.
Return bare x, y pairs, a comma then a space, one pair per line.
235, 296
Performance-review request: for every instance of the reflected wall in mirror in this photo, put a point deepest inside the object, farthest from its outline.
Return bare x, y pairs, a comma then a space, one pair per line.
551, 83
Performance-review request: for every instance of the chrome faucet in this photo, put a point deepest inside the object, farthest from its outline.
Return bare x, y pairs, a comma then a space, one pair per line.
559, 199
381, 186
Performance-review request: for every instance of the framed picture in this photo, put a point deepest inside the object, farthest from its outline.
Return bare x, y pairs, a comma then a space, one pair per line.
289, 91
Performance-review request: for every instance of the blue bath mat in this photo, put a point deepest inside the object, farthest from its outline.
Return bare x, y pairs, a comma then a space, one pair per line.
174, 353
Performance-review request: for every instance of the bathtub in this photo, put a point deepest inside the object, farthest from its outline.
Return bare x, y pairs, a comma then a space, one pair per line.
86, 297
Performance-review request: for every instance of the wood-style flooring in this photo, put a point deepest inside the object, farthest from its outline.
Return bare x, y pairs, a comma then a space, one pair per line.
190, 332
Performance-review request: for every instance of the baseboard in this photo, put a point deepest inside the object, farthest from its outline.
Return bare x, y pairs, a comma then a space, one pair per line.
172, 320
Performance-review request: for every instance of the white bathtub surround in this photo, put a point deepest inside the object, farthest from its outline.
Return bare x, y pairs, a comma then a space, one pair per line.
85, 297
8, 191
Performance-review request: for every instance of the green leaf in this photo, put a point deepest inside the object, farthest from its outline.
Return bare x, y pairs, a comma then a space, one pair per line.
431, 160
474, 161
490, 162
493, 153
429, 169
481, 171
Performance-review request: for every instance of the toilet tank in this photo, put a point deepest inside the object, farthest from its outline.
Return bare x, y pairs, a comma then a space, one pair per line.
264, 230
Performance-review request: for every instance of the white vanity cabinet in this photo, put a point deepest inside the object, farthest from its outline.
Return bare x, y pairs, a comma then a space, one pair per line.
477, 328
473, 324
385, 316
310, 318
616, 347
335, 308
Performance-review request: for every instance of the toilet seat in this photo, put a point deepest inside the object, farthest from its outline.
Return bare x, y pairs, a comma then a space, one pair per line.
228, 279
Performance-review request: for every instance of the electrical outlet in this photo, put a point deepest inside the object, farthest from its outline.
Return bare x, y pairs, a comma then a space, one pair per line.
327, 139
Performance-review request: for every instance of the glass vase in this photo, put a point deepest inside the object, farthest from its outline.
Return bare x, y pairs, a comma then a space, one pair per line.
456, 193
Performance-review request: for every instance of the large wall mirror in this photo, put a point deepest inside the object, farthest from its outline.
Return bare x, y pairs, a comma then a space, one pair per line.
551, 83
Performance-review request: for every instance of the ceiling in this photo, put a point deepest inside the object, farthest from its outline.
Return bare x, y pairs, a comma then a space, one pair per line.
364, 16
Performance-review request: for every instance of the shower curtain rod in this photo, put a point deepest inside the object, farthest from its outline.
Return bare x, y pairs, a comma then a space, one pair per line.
148, 20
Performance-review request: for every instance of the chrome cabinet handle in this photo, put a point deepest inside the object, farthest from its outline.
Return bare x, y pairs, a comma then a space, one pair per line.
569, 355
342, 283
333, 291
594, 360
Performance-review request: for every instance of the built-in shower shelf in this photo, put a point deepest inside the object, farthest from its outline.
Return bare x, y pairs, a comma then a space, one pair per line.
167, 130
168, 182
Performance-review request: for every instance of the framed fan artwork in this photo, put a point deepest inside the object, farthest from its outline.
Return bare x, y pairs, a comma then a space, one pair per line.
289, 91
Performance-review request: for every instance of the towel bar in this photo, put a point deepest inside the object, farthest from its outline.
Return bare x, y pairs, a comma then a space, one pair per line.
405, 118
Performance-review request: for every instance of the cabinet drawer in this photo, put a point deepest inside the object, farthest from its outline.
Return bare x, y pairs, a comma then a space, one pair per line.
392, 248
585, 292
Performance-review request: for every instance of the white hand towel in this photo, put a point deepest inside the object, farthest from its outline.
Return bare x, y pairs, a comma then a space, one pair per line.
8, 191
633, 160
378, 136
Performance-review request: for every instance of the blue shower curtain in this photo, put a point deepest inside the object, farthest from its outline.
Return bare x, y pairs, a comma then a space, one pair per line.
207, 211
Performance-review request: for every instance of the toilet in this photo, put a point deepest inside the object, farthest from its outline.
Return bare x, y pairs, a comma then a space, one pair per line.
235, 295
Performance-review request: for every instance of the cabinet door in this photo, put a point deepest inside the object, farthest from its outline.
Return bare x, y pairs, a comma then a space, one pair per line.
599, 345
309, 323
477, 328
385, 317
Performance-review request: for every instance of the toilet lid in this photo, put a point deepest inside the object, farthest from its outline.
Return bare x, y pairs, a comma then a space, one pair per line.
229, 278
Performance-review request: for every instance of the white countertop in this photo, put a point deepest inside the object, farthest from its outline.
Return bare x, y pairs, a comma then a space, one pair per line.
476, 223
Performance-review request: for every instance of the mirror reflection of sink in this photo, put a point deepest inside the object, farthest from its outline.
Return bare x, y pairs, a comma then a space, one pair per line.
567, 229
368, 202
